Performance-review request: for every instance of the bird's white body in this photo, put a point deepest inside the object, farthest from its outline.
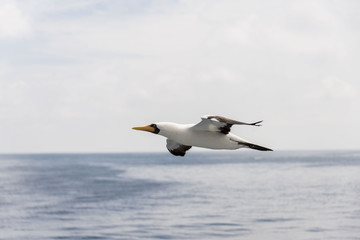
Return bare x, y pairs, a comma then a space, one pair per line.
185, 134
212, 132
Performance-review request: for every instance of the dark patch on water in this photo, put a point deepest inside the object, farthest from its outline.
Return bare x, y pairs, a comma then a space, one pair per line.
316, 229
220, 224
270, 220
71, 229
163, 236
79, 237
57, 212
85, 183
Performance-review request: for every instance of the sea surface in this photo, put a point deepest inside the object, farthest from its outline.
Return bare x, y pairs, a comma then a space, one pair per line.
211, 195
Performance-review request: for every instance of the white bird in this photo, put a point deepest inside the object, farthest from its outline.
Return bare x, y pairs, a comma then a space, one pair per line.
212, 132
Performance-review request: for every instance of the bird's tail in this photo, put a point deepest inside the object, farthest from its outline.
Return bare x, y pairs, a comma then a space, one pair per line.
245, 143
256, 147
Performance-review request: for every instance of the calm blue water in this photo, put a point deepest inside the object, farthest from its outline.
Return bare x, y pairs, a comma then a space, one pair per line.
212, 195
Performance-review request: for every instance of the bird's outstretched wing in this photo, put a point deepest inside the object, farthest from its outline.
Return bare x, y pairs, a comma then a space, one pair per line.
219, 124
175, 148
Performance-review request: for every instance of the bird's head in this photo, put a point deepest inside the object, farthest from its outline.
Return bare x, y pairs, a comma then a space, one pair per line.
153, 128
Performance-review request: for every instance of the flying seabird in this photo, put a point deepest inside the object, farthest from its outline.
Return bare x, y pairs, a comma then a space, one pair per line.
212, 132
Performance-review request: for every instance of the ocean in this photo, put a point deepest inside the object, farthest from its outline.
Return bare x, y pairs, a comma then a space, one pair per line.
204, 195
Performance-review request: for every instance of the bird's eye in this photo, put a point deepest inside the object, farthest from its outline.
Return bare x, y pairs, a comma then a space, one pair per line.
153, 125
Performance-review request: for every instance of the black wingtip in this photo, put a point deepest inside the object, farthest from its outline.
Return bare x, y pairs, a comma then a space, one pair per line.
257, 147
257, 123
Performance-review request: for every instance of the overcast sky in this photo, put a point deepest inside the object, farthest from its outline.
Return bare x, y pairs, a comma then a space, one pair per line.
75, 76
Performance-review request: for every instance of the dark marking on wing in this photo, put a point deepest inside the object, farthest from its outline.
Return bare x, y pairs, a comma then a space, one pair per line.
175, 148
225, 129
232, 122
229, 122
180, 151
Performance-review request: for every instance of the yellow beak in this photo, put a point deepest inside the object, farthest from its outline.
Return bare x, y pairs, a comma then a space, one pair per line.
145, 128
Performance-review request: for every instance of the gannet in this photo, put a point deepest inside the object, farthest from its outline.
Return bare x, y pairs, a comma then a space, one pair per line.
211, 132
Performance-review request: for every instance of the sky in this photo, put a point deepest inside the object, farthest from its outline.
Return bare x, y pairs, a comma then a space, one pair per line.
75, 76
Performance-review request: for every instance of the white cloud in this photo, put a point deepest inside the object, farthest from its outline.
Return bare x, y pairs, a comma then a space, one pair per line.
13, 22
338, 89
